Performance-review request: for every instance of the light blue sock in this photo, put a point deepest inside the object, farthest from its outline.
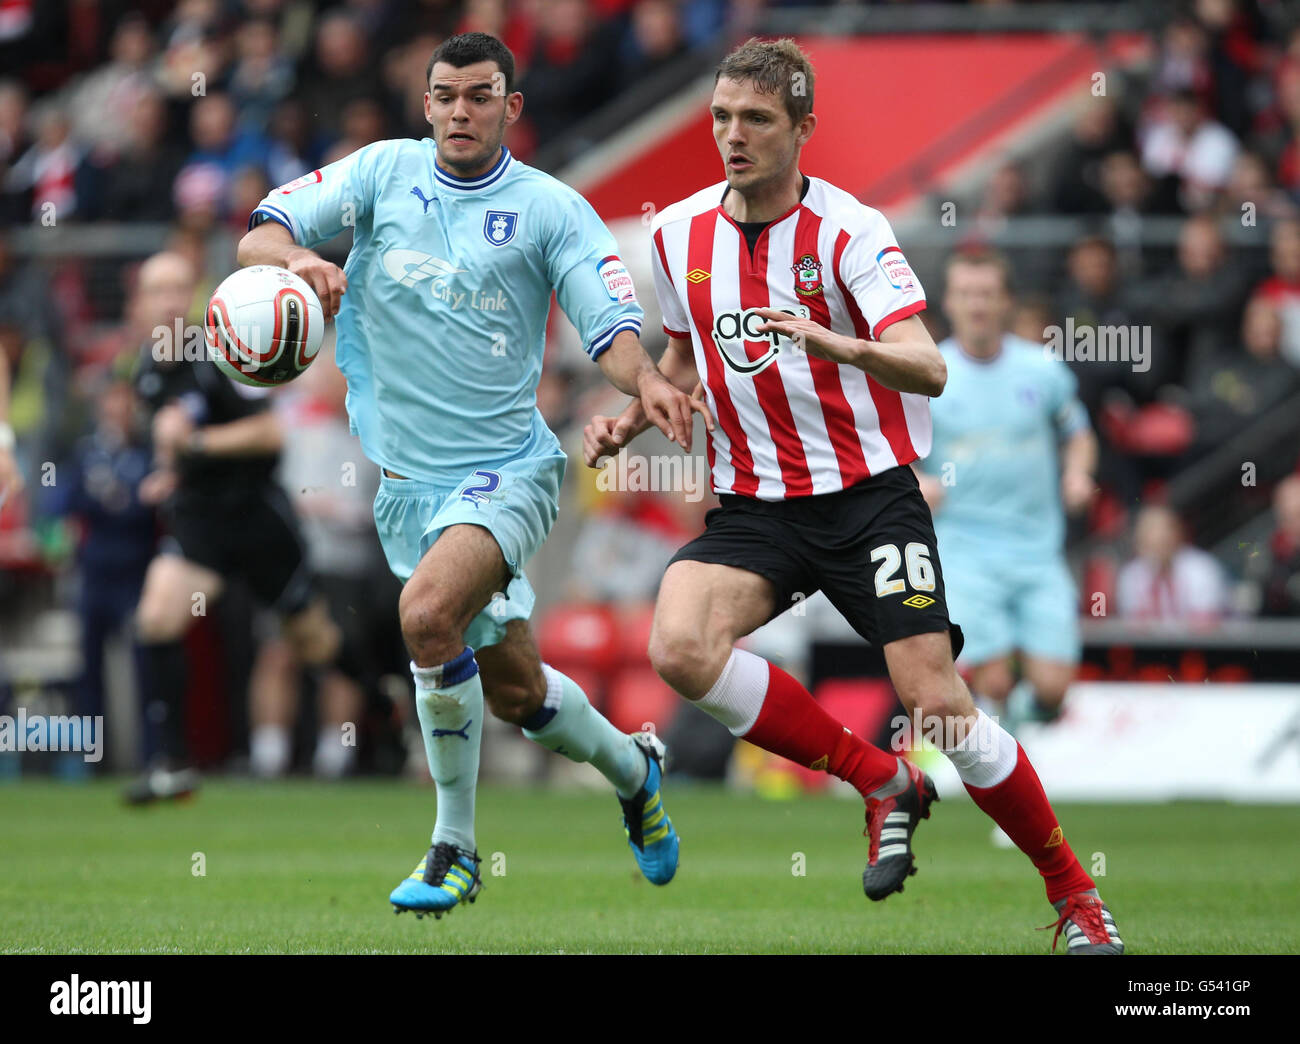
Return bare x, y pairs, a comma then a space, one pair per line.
449, 704
581, 733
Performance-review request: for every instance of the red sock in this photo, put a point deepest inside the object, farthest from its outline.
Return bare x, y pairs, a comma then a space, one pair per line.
792, 724
1019, 806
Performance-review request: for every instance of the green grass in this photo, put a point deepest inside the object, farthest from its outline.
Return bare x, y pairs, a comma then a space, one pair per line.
304, 868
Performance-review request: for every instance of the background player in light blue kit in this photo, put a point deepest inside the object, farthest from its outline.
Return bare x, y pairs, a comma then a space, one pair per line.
1012, 451
457, 247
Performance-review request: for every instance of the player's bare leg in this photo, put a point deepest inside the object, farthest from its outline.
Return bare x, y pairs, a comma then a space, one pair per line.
1048, 680
553, 711
703, 609
273, 707
997, 774
993, 680
176, 591
451, 584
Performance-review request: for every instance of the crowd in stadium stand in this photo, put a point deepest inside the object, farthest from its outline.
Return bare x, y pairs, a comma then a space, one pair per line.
185, 113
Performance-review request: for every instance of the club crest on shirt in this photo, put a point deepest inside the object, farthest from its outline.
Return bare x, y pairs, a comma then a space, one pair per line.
807, 275
499, 226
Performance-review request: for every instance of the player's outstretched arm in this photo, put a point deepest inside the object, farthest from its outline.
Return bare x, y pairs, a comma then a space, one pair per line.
905, 359
175, 434
270, 243
607, 435
629, 369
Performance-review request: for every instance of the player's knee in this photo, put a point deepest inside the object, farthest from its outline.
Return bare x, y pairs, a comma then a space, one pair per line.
428, 623
682, 658
936, 693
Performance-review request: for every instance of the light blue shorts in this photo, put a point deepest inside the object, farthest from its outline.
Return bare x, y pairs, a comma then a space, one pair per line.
516, 502
1030, 605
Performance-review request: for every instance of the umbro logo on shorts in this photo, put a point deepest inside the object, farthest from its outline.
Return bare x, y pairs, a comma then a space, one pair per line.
918, 601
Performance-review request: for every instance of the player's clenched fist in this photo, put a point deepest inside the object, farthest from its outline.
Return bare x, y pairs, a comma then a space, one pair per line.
325, 277
605, 436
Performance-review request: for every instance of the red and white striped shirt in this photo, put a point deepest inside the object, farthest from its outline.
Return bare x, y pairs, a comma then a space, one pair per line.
790, 424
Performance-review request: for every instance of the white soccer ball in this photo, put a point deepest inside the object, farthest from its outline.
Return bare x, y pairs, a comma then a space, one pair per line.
264, 326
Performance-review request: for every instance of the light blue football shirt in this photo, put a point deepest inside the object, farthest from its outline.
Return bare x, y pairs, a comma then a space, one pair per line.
997, 432
442, 329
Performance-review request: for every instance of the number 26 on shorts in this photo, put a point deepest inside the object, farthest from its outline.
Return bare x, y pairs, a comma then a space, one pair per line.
920, 573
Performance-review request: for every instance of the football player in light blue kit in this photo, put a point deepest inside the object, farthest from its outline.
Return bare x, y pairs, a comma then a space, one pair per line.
457, 247
1012, 451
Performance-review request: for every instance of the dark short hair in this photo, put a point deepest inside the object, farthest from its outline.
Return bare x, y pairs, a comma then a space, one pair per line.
469, 48
982, 257
773, 67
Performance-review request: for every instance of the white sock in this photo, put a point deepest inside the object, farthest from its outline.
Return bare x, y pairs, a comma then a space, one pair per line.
451, 724
581, 733
737, 696
269, 751
986, 756
333, 758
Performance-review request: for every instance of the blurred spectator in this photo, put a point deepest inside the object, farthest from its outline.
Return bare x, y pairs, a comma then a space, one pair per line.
99, 489
100, 101
1283, 286
262, 77
342, 72
46, 174
405, 85
1168, 580
572, 71
1231, 387
363, 122
1092, 296
1279, 570
1195, 309
1076, 186
654, 39
1130, 196
1250, 192
138, 184
1188, 145
290, 154
193, 54
221, 148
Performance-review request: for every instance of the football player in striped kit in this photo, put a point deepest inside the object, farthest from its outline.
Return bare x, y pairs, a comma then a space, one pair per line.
791, 309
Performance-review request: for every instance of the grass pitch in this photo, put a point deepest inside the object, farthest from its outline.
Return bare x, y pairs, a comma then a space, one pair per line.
306, 868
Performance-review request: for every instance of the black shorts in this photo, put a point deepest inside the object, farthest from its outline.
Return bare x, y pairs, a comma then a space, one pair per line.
870, 547
254, 536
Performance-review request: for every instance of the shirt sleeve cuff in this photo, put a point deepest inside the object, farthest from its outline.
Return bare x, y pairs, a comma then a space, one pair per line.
600, 345
269, 212
677, 333
895, 316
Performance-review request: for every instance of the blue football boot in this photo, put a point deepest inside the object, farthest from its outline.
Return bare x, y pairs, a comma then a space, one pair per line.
649, 831
446, 876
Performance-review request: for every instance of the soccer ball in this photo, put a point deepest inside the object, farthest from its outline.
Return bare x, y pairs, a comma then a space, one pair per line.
264, 326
